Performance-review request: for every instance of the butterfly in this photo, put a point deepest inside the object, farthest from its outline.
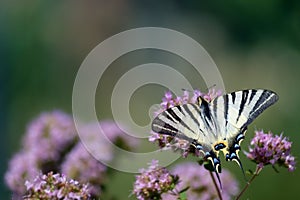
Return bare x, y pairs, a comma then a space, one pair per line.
215, 126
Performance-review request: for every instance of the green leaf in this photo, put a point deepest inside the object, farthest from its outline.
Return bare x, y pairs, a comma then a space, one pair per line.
184, 189
183, 196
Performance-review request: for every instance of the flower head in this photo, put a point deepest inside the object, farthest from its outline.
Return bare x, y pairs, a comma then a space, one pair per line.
153, 182
55, 186
117, 136
47, 138
49, 135
212, 93
22, 167
269, 149
168, 101
81, 165
199, 183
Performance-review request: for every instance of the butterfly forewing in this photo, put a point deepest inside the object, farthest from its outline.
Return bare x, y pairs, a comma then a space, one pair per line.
236, 109
242, 107
183, 121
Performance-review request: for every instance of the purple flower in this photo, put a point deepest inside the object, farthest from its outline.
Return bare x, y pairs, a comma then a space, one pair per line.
117, 136
199, 183
153, 182
51, 144
95, 141
49, 135
81, 165
83, 162
46, 139
55, 186
212, 93
22, 167
168, 101
269, 149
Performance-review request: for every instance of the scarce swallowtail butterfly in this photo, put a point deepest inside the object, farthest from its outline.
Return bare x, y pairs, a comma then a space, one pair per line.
218, 125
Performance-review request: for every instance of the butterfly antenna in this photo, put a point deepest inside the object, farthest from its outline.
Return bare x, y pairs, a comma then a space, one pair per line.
183, 89
212, 86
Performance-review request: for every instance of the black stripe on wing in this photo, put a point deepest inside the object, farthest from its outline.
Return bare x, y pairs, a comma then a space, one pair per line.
205, 110
158, 126
206, 115
225, 109
161, 127
253, 92
232, 97
177, 126
266, 99
191, 114
173, 114
177, 118
242, 107
243, 102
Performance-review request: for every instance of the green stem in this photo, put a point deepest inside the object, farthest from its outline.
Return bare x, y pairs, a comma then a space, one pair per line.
216, 186
257, 171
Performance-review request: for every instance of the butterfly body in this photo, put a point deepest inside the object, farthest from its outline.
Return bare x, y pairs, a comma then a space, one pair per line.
218, 125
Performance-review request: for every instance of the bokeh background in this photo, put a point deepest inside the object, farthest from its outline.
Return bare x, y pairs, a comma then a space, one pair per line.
255, 44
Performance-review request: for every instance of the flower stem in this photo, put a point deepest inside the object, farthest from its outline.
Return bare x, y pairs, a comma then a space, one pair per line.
216, 186
257, 171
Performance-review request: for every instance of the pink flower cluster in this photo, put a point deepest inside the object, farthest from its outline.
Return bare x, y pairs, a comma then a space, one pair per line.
158, 183
269, 149
55, 186
153, 182
51, 144
200, 186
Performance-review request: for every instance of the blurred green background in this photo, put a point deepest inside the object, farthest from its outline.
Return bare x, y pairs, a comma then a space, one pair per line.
255, 44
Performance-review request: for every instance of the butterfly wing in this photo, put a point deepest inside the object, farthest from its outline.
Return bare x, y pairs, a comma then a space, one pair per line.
236, 110
186, 122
